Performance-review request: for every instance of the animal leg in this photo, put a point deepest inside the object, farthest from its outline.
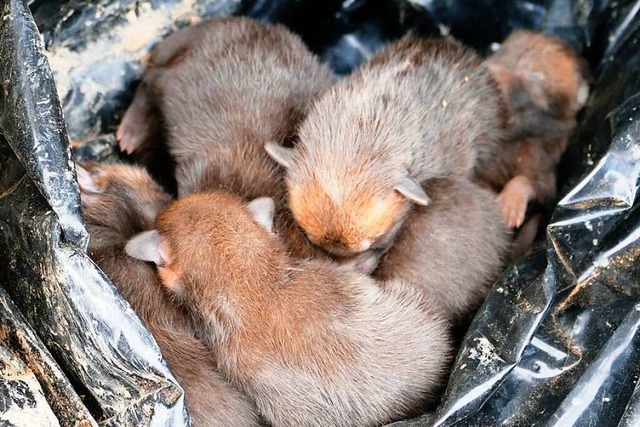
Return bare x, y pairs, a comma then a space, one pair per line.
514, 198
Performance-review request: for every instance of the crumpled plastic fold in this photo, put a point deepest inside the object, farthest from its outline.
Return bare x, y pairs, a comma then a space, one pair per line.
556, 342
92, 333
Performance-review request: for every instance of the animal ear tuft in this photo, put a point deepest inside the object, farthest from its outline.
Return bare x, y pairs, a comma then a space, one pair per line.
501, 75
412, 190
146, 246
284, 156
263, 210
86, 181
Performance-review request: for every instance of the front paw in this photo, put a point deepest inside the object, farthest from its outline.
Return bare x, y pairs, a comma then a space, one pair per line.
137, 124
513, 206
514, 198
132, 132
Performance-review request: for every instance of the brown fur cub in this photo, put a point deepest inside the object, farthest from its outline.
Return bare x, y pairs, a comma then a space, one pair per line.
453, 250
418, 110
313, 344
544, 84
119, 201
223, 89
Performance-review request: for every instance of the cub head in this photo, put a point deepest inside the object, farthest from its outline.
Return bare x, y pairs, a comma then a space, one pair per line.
208, 238
347, 214
120, 196
538, 71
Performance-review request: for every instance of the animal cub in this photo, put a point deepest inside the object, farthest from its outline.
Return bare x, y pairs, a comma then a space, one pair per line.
221, 90
544, 84
452, 250
418, 110
119, 201
310, 342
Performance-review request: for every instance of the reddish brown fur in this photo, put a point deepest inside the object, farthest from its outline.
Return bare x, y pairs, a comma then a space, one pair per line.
298, 336
535, 159
418, 110
544, 85
258, 267
370, 216
122, 200
540, 78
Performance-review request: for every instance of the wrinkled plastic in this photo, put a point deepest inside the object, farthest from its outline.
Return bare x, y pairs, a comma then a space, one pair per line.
92, 333
34, 377
556, 342
22, 402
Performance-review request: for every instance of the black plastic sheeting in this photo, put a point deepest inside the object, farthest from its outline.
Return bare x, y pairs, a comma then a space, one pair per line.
20, 343
91, 332
557, 341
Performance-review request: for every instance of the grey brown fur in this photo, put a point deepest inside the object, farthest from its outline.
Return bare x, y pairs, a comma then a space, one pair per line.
119, 201
544, 85
420, 109
224, 88
313, 344
420, 105
452, 250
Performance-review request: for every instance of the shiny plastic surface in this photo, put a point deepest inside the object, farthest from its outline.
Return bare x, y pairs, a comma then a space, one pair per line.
91, 332
556, 342
30, 379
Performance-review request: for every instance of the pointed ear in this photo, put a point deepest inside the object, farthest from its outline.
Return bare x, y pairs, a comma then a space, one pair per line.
262, 210
410, 188
86, 181
146, 246
582, 96
282, 155
365, 262
502, 76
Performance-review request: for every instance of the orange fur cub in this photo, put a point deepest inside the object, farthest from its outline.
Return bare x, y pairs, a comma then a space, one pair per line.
310, 342
119, 201
544, 84
418, 110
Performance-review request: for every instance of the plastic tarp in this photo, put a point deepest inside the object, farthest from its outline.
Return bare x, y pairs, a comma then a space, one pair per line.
556, 342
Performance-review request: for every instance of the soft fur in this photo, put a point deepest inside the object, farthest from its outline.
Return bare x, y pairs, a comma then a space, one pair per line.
223, 89
544, 84
418, 110
119, 201
313, 344
452, 250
